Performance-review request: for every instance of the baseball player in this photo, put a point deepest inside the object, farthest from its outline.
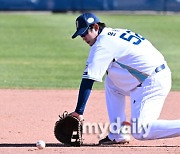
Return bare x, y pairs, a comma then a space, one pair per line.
134, 68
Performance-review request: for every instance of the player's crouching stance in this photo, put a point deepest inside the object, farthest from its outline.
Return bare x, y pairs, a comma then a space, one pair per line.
134, 68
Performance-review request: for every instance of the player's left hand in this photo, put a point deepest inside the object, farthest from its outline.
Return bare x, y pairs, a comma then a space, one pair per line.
80, 117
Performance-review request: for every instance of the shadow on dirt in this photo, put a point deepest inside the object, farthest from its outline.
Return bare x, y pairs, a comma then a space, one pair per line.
84, 145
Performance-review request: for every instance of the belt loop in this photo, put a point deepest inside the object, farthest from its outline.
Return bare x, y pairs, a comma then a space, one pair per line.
140, 85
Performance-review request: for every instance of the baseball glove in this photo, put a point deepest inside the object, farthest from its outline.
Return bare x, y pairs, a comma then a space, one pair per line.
68, 130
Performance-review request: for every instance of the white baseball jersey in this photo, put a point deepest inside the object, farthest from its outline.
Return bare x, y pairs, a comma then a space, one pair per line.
127, 57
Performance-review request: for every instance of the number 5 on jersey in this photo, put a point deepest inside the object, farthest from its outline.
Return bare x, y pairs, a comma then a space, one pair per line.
132, 37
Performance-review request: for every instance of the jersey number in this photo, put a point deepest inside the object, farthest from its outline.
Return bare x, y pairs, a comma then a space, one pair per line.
132, 37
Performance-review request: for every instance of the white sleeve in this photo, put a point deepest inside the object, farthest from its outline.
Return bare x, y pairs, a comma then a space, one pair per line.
98, 62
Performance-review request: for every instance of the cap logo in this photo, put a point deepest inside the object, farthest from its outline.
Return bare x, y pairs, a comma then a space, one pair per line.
90, 20
77, 24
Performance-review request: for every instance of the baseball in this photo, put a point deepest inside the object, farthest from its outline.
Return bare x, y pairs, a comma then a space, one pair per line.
40, 144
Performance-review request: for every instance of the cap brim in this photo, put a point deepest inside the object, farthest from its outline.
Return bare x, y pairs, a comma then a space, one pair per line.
79, 32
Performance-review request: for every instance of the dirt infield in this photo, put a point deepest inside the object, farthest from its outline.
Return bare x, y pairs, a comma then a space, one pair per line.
27, 116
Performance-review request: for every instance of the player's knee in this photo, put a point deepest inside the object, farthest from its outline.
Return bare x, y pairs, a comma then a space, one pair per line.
138, 136
141, 136
142, 133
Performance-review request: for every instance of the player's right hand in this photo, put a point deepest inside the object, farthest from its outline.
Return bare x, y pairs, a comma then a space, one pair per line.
80, 117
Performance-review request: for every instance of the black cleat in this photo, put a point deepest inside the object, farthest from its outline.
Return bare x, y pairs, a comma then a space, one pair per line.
107, 141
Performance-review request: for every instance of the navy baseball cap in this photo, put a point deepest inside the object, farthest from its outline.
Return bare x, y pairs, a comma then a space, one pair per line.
83, 22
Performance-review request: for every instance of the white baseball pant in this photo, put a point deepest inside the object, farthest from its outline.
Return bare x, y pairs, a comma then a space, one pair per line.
146, 105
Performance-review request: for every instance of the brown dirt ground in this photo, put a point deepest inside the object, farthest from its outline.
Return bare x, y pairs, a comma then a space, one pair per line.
27, 116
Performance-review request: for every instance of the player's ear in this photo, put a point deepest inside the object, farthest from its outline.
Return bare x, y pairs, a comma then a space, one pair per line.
96, 27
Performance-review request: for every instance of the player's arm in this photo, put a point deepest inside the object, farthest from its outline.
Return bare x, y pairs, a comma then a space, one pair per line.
84, 92
97, 64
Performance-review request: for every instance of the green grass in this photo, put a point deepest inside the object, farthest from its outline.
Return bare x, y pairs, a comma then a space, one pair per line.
36, 51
